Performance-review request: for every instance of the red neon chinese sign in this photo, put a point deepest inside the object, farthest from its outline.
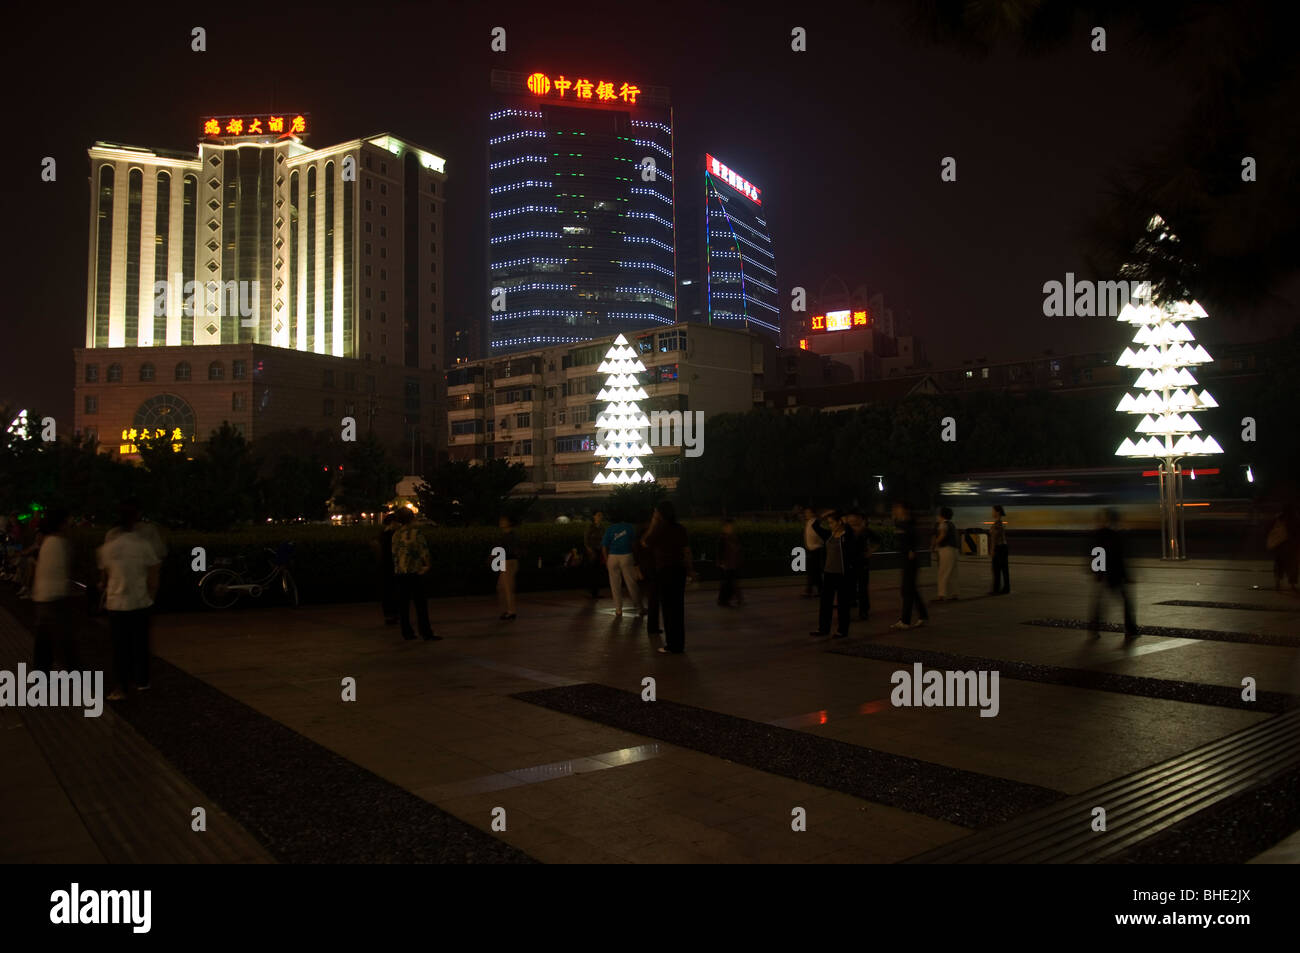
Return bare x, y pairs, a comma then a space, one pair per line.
582, 89
737, 182
277, 124
839, 321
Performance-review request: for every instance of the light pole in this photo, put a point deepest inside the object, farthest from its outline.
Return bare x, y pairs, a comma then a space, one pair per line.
1168, 431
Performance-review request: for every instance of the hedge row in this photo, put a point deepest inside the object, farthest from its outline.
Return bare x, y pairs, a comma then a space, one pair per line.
341, 563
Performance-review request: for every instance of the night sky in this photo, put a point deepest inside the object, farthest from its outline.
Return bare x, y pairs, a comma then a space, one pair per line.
845, 140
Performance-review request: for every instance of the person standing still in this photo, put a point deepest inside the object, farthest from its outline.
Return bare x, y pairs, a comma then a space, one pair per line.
616, 547
56, 641
668, 541
945, 546
411, 564
729, 594
387, 583
595, 563
813, 546
129, 571
867, 542
508, 578
838, 576
906, 542
1001, 560
645, 570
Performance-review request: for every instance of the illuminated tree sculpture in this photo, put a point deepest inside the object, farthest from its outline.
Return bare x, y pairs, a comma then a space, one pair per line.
621, 428
1167, 430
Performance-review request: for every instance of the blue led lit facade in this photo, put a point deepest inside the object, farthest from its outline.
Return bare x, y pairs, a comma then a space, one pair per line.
740, 284
579, 240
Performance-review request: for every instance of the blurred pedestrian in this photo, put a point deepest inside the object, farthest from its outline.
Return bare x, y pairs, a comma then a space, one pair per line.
1284, 546
56, 642
812, 544
616, 548
508, 578
129, 567
998, 549
412, 563
839, 573
387, 582
595, 561
645, 571
1109, 566
729, 557
670, 545
906, 542
944, 545
867, 542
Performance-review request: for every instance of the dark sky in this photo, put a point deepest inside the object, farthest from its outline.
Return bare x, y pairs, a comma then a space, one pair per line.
845, 140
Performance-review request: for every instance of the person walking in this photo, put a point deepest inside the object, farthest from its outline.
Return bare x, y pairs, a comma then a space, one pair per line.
1109, 567
616, 547
412, 562
592, 543
906, 541
508, 578
1284, 545
838, 575
729, 594
944, 545
387, 582
51, 591
998, 548
129, 567
668, 541
645, 566
866, 542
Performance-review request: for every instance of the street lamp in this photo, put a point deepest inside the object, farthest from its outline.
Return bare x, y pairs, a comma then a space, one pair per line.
1167, 430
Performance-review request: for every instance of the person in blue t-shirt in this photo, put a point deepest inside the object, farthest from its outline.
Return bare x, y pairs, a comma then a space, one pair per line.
617, 546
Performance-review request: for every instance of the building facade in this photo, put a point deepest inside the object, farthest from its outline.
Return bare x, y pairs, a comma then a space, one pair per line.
539, 407
581, 228
258, 246
739, 274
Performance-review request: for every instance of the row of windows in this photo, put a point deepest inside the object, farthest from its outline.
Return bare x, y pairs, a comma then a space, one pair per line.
183, 372
238, 401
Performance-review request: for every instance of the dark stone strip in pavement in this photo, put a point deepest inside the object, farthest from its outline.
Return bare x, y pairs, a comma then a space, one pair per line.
948, 794
1223, 696
301, 801
1196, 604
1229, 832
1176, 632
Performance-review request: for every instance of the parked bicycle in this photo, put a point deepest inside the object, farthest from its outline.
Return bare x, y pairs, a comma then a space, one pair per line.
222, 587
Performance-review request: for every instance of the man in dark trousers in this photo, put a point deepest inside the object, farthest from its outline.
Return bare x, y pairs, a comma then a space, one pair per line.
906, 543
387, 580
867, 543
998, 547
668, 541
1108, 563
839, 572
591, 541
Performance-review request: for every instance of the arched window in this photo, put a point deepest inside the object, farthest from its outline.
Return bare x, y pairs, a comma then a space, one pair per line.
146, 372
115, 373
183, 371
216, 371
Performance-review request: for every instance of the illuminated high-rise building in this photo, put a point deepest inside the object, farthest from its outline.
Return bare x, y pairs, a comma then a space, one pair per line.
739, 266
237, 282
580, 209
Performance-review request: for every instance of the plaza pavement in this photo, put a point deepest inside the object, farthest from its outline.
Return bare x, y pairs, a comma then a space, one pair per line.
439, 720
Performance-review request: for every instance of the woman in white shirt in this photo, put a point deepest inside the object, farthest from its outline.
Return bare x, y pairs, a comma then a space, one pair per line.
51, 588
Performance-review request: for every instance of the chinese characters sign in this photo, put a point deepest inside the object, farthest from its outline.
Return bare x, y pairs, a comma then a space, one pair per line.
159, 435
740, 184
582, 89
839, 321
267, 125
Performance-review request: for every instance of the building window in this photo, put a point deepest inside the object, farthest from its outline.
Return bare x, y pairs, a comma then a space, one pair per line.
238, 370
523, 420
183, 371
237, 400
970, 373
383, 231
349, 409
984, 372
115, 373
672, 341
383, 188
328, 407
350, 381
383, 295
367, 230
433, 248
367, 271
92, 373
92, 404
328, 378
646, 345
368, 183
383, 210
383, 253
368, 205
667, 372
146, 372
216, 371
383, 274
383, 168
